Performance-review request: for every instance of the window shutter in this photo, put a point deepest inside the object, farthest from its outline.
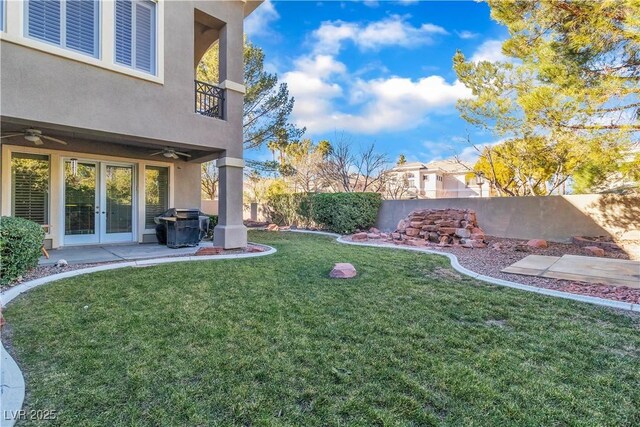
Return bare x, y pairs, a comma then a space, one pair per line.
30, 187
156, 193
145, 37
44, 20
81, 25
123, 32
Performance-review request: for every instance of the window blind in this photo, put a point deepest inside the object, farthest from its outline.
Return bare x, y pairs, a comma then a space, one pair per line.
135, 41
156, 180
81, 28
44, 20
30, 187
72, 24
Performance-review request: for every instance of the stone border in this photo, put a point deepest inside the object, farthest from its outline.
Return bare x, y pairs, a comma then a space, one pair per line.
500, 282
12, 386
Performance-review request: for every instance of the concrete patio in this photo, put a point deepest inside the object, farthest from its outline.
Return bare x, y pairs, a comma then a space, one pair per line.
580, 268
111, 253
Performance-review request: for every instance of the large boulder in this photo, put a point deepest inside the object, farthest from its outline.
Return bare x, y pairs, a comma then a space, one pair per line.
343, 270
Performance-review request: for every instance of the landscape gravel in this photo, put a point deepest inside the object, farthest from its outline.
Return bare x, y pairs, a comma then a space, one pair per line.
490, 262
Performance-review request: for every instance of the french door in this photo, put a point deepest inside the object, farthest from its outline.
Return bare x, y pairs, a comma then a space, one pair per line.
99, 202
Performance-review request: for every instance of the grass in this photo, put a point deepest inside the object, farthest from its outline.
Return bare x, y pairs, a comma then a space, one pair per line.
273, 341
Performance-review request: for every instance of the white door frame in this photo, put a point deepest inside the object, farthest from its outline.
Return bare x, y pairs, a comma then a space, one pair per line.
101, 236
82, 239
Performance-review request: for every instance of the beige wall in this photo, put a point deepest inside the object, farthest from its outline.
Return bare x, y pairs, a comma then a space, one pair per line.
72, 98
555, 218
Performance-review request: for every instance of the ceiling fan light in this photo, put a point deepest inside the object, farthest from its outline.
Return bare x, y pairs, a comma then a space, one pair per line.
32, 138
168, 154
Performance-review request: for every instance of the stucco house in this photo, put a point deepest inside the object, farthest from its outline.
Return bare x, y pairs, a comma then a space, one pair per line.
438, 180
103, 125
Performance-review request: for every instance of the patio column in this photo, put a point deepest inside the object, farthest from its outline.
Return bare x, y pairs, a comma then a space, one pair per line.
230, 233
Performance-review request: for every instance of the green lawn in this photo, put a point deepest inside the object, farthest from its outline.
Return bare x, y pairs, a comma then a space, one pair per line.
273, 341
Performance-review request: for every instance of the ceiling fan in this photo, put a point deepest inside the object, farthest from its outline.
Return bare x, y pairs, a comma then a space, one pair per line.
35, 136
170, 153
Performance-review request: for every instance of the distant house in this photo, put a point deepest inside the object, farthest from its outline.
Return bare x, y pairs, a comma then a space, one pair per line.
437, 180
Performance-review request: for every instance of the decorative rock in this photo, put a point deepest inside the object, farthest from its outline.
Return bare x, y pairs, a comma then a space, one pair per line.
272, 227
402, 225
463, 232
417, 242
343, 270
384, 235
412, 232
537, 243
373, 236
61, 263
594, 250
522, 248
359, 237
374, 230
477, 236
254, 249
396, 236
215, 250
447, 230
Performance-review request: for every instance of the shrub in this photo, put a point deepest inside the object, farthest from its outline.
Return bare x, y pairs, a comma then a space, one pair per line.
20, 243
345, 213
213, 221
289, 208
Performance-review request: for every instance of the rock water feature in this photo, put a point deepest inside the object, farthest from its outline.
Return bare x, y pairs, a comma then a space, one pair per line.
446, 227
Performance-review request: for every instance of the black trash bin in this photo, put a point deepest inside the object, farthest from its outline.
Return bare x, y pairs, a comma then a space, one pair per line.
179, 227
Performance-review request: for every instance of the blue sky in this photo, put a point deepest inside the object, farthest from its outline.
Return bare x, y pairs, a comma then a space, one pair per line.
378, 71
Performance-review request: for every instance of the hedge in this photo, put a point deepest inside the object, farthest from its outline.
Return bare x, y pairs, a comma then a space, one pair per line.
289, 209
20, 243
345, 213
338, 212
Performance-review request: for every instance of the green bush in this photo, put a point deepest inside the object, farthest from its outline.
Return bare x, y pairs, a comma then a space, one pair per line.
20, 243
213, 221
345, 213
289, 209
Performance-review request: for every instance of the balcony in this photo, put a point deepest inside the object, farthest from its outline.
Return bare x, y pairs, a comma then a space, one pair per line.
209, 100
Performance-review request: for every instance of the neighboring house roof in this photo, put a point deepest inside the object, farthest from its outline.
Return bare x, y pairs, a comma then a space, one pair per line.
446, 166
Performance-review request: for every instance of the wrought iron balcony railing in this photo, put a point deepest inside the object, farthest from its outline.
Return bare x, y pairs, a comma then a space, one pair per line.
209, 100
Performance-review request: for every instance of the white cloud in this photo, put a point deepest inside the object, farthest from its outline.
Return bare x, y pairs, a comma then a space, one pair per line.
383, 104
490, 50
466, 35
392, 31
259, 22
407, 2
371, 3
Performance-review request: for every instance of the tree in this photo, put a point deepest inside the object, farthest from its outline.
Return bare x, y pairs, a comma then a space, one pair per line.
209, 181
401, 160
267, 104
307, 161
572, 89
352, 169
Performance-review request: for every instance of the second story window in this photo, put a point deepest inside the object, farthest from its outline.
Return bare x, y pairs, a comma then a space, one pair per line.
72, 24
135, 42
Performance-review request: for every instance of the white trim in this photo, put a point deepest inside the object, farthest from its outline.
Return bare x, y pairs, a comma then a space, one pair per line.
15, 33
230, 162
231, 85
56, 185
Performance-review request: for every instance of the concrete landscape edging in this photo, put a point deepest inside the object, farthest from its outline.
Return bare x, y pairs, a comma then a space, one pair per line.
455, 264
12, 386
